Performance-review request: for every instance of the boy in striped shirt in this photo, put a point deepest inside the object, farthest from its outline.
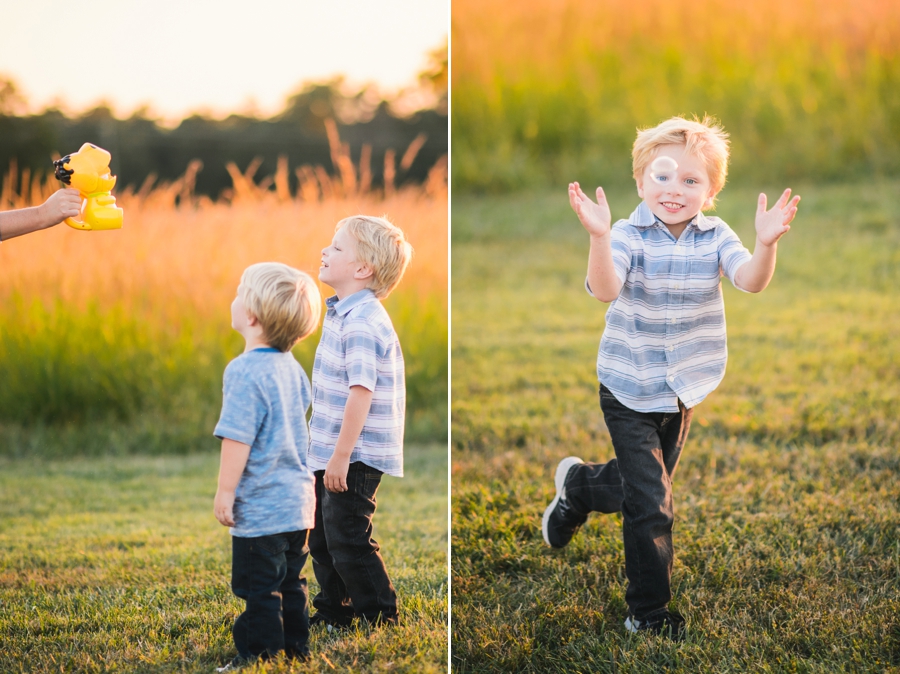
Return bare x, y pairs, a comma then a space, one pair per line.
356, 430
663, 350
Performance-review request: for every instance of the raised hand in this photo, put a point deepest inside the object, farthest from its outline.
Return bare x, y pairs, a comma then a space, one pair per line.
771, 225
594, 216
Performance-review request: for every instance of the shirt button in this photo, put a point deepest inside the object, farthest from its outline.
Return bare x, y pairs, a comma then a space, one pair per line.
671, 377
670, 348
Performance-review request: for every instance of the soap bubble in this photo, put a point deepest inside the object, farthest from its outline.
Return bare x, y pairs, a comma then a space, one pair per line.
662, 169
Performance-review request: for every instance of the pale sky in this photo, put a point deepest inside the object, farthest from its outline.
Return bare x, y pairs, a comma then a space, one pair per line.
180, 56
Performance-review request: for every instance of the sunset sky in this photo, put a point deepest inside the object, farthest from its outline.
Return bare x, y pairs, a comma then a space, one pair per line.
212, 57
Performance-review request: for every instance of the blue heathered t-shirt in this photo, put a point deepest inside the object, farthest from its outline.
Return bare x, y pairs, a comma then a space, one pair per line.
266, 395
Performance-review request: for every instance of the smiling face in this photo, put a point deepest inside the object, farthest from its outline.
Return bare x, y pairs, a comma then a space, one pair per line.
340, 269
676, 196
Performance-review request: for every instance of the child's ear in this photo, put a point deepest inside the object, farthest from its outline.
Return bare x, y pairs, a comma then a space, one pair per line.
640, 187
252, 320
363, 271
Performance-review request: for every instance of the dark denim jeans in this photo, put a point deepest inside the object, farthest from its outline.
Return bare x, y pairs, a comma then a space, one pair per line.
638, 482
352, 577
267, 573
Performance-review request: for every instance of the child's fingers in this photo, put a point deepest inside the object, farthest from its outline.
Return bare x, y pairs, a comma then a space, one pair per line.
573, 196
226, 518
761, 203
601, 195
783, 199
335, 485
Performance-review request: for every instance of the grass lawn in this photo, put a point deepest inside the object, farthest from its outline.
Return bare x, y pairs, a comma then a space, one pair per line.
117, 564
787, 532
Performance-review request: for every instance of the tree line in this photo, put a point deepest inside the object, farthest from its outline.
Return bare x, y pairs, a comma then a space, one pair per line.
143, 150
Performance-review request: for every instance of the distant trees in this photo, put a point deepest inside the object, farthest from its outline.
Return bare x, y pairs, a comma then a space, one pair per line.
144, 150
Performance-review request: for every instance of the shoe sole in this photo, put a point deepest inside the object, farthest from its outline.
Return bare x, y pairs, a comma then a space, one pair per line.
562, 470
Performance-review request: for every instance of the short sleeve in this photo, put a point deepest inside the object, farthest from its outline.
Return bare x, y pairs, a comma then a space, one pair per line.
621, 254
305, 391
360, 354
243, 407
732, 253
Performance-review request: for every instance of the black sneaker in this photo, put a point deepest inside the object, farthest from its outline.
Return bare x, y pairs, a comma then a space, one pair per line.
237, 663
330, 625
560, 522
666, 623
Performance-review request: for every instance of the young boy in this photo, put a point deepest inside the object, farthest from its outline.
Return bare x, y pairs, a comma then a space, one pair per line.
266, 492
663, 350
356, 430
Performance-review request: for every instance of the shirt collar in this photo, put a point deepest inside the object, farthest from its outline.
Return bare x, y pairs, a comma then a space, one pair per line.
643, 218
343, 307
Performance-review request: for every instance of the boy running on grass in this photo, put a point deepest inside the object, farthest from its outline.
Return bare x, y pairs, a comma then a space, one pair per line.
356, 430
266, 493
663, 350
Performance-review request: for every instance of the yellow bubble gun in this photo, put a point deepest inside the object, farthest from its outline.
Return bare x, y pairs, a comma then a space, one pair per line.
88, 172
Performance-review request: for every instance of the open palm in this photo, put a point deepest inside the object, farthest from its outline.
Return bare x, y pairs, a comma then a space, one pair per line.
771, 225
594, 216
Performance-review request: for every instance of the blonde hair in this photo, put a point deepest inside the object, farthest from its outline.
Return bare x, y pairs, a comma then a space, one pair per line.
284, 300
704, 138
383, 247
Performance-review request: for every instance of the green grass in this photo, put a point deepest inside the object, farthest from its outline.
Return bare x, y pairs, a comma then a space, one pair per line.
117, 564
787, 498
70, 373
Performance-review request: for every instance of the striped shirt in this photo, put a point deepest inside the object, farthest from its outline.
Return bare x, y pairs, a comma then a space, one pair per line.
359, 348
665, 332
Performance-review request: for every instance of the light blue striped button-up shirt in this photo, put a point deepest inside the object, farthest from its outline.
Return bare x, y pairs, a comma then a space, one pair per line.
665, 332
359, 347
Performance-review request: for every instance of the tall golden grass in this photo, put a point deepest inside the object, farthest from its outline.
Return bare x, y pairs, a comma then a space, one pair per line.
174, 267
178, 252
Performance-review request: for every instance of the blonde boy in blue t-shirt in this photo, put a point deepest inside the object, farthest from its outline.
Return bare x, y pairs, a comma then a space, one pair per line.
266, 491
663, 349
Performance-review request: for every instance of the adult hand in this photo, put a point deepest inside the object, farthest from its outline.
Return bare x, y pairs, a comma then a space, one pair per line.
62, 204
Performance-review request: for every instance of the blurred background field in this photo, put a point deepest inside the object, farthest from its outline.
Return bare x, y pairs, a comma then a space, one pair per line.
787, 496
545, 91
125, 334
